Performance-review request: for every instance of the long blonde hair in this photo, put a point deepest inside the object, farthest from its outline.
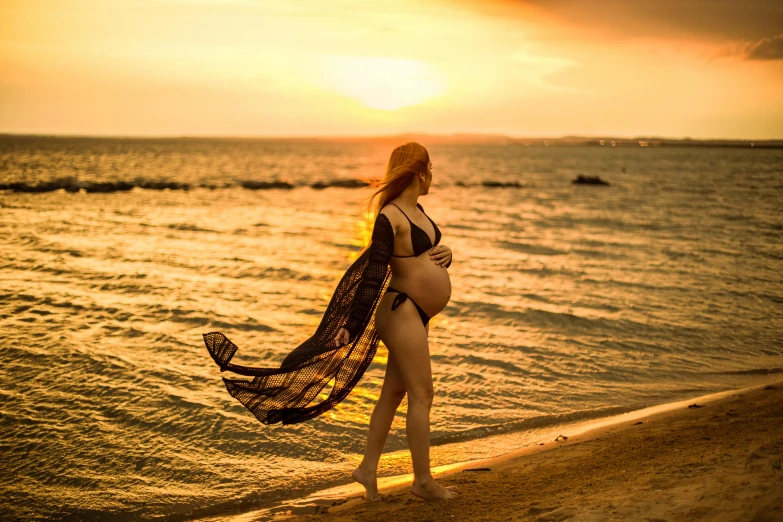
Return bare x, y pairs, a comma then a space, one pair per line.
405, 163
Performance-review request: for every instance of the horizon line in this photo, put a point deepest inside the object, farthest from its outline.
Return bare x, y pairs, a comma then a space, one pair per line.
464, 135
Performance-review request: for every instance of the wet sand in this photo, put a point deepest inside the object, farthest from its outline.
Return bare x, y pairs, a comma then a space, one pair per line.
721, 461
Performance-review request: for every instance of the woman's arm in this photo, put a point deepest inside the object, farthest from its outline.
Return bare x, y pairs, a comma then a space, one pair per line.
381, 248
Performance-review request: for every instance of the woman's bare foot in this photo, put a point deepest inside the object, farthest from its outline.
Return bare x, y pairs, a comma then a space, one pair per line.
428, 489
370, 483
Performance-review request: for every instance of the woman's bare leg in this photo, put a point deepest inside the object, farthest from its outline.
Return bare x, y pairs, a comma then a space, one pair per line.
406, 338
392, 393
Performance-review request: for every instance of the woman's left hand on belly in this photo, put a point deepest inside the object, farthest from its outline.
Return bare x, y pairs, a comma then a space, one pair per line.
441, 254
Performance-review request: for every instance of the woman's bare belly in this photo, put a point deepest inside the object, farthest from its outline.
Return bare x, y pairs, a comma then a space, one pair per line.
428, 284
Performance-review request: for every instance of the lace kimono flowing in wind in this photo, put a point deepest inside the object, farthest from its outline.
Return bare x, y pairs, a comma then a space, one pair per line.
285, 394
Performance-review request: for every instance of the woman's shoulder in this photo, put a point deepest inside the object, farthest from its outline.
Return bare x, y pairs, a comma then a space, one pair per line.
395, 207
389, 210
393, 214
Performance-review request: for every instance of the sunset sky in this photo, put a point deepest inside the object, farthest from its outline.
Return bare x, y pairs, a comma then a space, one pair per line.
673, 68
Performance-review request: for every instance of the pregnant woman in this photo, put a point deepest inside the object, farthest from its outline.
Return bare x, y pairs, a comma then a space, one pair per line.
405, 253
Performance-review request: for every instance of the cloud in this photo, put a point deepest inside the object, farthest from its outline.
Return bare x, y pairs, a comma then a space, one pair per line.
700, 20
766, 49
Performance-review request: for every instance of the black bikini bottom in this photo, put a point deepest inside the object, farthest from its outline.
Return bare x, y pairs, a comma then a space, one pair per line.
401, 297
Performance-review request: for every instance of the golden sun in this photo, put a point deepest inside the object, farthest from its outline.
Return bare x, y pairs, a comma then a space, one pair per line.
382, 83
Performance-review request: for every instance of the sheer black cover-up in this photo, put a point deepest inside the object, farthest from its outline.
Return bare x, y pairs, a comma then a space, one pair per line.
284, 394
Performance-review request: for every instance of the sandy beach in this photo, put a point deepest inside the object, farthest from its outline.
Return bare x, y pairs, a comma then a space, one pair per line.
720, 461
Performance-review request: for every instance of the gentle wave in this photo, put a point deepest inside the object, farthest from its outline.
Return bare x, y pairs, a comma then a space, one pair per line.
495, 313
755, 371
539, 421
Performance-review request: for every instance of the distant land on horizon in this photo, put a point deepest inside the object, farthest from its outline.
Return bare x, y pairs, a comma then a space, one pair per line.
455, 138
606, 141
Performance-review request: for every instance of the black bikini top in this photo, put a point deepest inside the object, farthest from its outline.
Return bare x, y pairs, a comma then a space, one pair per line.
420, 239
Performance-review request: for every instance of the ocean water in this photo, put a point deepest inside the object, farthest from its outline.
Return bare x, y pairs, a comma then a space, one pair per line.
569, 302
